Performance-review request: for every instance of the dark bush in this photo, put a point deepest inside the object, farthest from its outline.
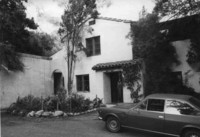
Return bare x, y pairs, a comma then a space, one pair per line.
75, 103
50, 103
26, 104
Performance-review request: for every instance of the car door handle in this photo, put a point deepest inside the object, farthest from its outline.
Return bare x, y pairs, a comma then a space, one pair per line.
161, 117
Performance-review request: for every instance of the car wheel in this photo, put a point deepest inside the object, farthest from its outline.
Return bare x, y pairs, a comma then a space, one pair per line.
192, 133
112, 124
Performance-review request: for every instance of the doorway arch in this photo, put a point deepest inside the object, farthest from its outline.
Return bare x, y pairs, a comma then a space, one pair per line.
58, 81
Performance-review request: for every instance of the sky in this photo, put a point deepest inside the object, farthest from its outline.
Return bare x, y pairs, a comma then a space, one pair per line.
47, 13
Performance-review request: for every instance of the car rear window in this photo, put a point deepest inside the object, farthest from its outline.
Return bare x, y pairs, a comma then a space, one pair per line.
156, 105
179, 108
195, 102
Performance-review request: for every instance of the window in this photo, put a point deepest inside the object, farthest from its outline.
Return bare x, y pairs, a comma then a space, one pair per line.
92, 22
156, 105
179, 108
143, 105
82, 83
93, 46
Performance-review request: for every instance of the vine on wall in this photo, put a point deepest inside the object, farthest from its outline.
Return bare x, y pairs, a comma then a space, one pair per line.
131, 79
193, 55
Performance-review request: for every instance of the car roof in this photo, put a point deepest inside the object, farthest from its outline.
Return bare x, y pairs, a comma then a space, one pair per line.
169, 96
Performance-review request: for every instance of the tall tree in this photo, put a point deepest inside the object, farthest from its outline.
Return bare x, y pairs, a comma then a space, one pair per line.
190, 26
40, 44
76, 14
153, 46
13, 32
177, 8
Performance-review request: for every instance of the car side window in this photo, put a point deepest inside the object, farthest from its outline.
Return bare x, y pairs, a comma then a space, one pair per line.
143, 105
179, 108
156, 105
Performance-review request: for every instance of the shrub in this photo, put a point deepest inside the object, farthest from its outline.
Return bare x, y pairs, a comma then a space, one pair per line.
75, 103
97, 102
50, 103
27, 103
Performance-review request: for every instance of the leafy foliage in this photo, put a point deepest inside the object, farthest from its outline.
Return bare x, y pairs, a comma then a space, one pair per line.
193, 55
39, 44
190, 26
16, 36
76, 14
153, 46
9, 58
132, 78
27, 103
177, 8
14, 33
74, 103
14, 22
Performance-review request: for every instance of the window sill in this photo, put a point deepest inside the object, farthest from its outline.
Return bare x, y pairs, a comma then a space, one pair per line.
94, 55
83, 91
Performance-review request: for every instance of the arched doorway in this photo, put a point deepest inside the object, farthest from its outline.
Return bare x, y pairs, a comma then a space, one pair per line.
58, 81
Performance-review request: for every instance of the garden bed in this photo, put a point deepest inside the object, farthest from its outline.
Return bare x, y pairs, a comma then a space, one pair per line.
53, 106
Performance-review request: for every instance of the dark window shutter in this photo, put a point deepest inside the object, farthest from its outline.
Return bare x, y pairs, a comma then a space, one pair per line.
79, 83
89, 47
92, 22
97, 45
86, 83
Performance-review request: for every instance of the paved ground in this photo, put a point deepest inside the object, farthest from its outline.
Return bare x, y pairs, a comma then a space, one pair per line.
79, 126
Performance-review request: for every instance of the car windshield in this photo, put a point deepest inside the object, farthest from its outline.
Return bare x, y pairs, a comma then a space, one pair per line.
195, 102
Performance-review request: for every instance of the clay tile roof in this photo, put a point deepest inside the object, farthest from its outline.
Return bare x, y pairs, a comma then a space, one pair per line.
115, 19
114, 65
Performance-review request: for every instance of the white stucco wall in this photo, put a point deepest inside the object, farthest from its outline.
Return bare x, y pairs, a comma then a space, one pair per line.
187, 72
114, 47
34, 80
37, 78
107, 88
59, 63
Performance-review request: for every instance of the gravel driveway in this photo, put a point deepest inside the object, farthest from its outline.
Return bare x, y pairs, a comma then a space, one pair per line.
79, 126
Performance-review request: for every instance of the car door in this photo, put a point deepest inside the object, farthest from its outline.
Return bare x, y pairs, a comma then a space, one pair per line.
149, 115
177, 115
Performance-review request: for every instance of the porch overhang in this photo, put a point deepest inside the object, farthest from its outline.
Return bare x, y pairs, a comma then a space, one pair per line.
115, 65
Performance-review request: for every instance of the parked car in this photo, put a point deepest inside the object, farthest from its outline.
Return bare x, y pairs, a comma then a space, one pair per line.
170, 114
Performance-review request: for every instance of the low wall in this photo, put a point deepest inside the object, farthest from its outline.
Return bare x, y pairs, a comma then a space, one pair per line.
36, 80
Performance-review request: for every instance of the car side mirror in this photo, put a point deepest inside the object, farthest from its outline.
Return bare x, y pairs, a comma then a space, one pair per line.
137, 110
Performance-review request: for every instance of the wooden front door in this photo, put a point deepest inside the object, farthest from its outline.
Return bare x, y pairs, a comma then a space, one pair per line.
116, 87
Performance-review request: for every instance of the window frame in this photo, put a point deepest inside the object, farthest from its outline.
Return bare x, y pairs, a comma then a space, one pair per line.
93, 46
137, 107
182, 101
82, 83
92, 22
154, 110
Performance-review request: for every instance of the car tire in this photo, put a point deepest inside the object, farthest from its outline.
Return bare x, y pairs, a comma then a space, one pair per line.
191, 133
113, 124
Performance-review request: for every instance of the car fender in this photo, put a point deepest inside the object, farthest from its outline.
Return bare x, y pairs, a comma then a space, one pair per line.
111, 114
189, 127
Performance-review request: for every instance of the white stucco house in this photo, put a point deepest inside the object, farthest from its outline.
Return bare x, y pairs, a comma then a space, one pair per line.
97, 73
